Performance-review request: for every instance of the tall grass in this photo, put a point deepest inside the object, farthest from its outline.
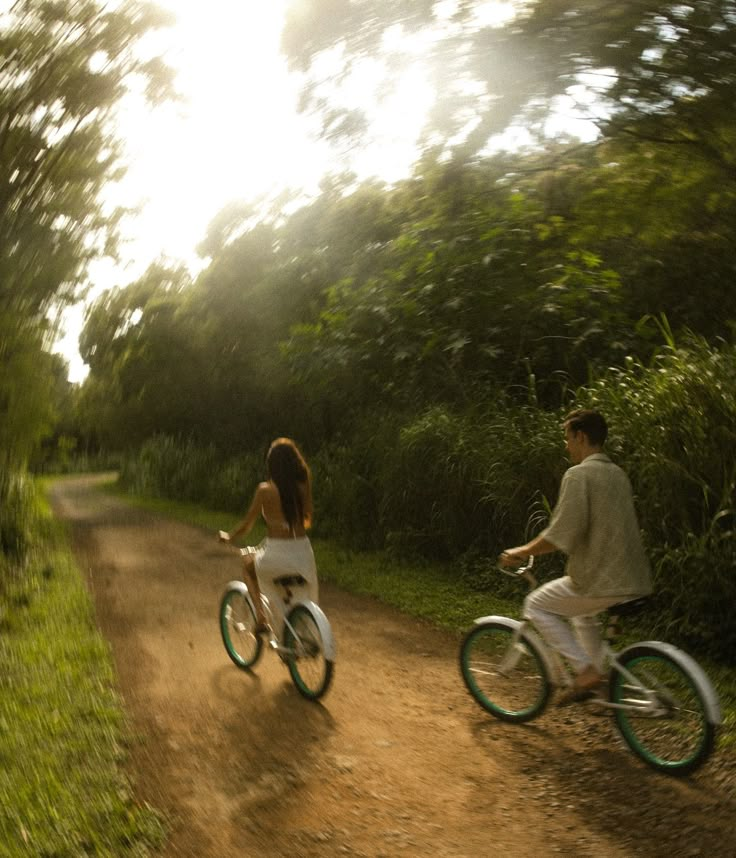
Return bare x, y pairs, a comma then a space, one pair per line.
676, 435
458, 485
180, 470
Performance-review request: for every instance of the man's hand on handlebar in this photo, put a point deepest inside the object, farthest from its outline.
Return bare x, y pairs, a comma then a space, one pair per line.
513, 557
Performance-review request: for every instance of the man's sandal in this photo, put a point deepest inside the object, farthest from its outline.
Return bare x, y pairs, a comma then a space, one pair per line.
579, 693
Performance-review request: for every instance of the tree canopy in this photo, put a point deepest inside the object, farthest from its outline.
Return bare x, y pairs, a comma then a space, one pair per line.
626, 64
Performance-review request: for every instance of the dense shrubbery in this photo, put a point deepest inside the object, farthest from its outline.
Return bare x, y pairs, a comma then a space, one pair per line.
181, 470
676, 435
459, 485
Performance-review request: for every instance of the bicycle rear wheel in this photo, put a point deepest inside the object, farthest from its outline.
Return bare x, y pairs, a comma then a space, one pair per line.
504, 671
238, 628
310, 669
665, 721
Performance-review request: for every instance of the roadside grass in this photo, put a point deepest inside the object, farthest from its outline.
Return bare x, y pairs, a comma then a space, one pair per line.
63, 735
431, 592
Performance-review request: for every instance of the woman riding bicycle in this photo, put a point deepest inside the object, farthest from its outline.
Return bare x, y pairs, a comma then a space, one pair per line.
285, 503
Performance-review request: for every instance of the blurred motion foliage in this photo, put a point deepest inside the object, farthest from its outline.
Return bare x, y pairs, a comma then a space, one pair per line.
657, 70
63, 68
63, 786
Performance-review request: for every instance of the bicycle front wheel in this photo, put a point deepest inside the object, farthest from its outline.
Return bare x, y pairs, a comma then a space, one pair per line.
664, 714
310, 669
505, 672
238, 629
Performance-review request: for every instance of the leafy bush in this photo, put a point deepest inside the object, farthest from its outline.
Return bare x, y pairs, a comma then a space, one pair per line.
696, 592
230, 485
346, 494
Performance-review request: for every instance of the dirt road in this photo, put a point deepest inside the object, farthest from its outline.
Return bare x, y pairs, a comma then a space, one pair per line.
396, 761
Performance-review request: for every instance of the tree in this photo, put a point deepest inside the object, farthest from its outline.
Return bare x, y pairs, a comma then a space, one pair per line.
641, 61
142, 350
63, 67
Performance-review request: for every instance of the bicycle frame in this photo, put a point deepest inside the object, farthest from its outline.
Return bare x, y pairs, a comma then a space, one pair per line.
525, 629
653, 706
275, 640
562, 676
663, 705
649, 703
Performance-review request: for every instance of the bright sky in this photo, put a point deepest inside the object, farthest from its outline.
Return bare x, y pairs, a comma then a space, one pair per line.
238, 134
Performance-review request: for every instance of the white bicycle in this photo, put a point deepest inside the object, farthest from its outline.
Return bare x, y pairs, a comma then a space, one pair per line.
304, 643
664, 705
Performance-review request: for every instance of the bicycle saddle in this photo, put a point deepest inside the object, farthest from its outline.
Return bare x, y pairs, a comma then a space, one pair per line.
290, 580
629, 608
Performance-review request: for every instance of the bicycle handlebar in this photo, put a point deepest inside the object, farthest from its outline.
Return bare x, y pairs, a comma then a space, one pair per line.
523, 571
224, 536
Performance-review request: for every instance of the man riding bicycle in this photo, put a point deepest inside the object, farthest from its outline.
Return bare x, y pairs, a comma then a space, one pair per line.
594, 523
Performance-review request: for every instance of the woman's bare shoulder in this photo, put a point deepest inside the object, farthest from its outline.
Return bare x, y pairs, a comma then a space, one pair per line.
264, 490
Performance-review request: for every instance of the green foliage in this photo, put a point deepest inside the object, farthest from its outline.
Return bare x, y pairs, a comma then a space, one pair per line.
676, 420
643, 62
696, 591
31, 382
466, 481
15, 514
349, 480
453, 282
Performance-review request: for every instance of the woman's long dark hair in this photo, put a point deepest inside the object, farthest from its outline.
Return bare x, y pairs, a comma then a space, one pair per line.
287, 468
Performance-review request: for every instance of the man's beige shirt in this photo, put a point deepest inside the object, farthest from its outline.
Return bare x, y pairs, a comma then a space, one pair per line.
595, 524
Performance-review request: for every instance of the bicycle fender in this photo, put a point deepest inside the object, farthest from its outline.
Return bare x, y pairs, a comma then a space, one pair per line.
241, 587
552, 669
691, 667
323, 624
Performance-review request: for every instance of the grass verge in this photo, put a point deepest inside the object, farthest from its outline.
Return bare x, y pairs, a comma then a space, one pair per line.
431, 592
63, 790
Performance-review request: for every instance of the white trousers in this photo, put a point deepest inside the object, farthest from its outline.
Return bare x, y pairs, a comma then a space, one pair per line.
550, 606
